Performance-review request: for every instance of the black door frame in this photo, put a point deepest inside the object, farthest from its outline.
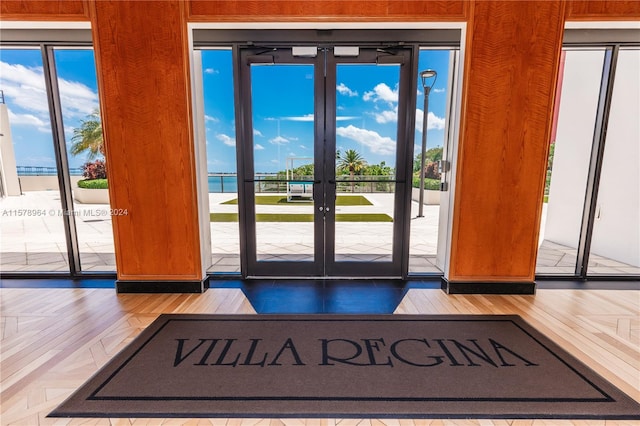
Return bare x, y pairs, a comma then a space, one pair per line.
325, 69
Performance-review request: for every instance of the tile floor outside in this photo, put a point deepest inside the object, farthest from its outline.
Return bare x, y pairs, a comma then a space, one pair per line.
33, 238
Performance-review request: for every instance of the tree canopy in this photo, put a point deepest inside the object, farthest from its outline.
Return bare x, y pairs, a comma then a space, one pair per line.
88, 137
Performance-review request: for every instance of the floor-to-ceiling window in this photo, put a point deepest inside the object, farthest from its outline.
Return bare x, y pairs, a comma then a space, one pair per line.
283, 149
55, 212
31, 223
590, 215
215, 78
436, 77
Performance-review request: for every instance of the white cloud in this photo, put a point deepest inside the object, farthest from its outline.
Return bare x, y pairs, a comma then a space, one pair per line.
227, 140
210, 118
24, 87
375, 142
257, 132
433, 121
344, 90
438, 90
390, 116
77, 100
303, 147
382, 92
307, 117
279, 140
25, 119
258, 147
310, 118
211, 71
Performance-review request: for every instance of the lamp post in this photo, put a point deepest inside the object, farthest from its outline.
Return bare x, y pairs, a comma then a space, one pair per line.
426, 76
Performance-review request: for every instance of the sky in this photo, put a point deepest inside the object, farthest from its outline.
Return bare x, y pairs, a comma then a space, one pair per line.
282, 102
282, 111
22, 82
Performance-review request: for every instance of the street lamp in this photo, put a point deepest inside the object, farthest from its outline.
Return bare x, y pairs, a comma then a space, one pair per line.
427, 76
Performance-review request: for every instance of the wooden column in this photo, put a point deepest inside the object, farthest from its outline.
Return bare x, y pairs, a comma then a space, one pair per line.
142, 63
512, 58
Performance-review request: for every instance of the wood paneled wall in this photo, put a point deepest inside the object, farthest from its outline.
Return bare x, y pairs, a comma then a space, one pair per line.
603, 10
142, 60
323, 10
511, 63
41, 10
512, 57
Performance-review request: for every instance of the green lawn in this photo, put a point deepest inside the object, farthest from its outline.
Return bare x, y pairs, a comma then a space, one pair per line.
273, 200
303, 217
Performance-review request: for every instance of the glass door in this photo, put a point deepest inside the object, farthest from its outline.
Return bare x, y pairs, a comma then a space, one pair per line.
323, 155
368, 94
281, 197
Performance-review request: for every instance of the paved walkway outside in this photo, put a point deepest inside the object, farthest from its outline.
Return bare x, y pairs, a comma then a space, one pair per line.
32, 238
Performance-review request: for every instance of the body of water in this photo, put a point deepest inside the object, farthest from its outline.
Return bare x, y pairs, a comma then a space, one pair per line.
225, 183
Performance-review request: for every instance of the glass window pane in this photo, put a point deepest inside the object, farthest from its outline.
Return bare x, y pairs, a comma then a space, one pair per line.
85, 153
219, 119
31, 222
615, 245
424, 229
282, 100
366, 133
569, 158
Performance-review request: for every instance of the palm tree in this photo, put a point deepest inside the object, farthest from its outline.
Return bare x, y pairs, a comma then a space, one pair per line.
88, 137
352, 161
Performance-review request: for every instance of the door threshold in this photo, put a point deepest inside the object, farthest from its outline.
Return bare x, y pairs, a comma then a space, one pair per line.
332, 278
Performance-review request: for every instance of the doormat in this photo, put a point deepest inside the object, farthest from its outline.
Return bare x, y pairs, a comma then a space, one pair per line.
371, 366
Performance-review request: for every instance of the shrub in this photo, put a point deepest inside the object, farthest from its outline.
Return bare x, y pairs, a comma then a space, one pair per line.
93, 184
430, 184
95, 170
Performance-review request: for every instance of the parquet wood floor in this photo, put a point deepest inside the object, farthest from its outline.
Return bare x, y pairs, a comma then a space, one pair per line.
52, 340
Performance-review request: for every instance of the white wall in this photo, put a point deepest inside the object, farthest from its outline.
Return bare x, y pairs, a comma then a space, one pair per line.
7, 156
574, 137
616, 233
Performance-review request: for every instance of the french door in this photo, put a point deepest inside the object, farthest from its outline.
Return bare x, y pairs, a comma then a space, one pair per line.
327, 195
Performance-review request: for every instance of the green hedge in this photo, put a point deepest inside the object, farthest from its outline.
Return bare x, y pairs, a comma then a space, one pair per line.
433, 184
93, 184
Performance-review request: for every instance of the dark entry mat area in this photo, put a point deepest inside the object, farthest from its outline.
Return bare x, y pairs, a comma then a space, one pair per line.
393, 366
